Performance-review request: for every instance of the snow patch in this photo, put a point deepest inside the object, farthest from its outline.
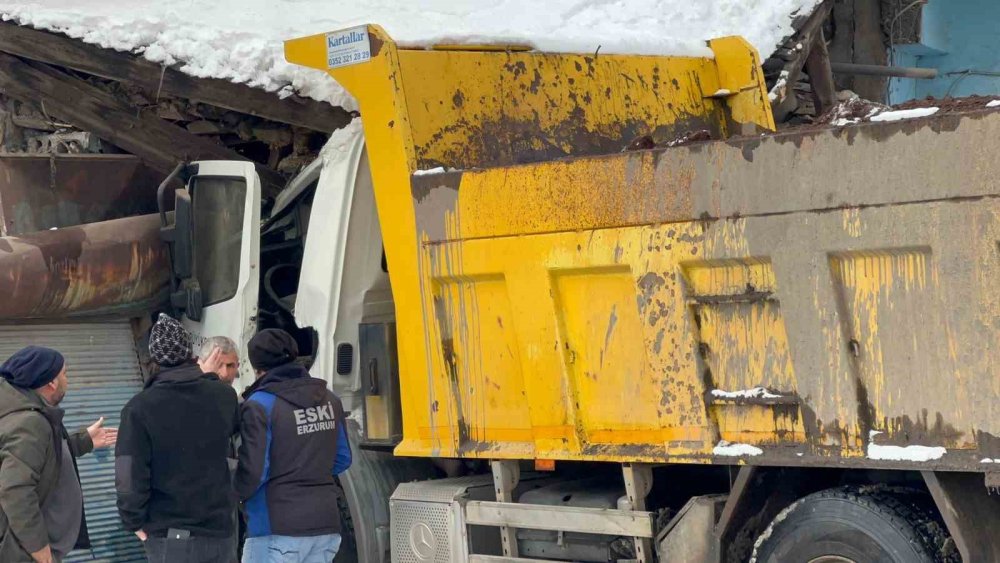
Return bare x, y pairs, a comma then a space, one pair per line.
902, 114
851, 110
755, 393
341, 142
905, 453
722, 93
724, 448
431, 171
770, 528
242, 40
902, 453
994, 104
779, 87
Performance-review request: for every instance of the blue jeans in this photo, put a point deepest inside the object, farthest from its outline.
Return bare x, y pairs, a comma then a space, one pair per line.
288, 549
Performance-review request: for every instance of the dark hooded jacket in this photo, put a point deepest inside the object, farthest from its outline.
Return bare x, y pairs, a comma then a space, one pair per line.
171, 468
293, 444
31, 435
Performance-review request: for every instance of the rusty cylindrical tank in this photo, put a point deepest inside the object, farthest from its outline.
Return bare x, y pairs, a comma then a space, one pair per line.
94, 269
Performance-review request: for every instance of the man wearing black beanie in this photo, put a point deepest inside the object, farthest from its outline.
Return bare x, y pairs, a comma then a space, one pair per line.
293, 446
171, 470
41, 500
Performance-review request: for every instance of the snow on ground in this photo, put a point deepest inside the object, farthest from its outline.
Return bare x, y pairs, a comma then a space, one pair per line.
241, 40
724, 448
899, 115
993, 104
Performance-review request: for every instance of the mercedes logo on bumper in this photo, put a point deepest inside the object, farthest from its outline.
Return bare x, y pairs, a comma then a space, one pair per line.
422, 542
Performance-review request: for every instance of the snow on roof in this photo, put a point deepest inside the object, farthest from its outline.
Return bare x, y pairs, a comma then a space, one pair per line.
241, 40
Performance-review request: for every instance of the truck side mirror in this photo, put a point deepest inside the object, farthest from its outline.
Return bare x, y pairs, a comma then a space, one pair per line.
182, 235
185, 291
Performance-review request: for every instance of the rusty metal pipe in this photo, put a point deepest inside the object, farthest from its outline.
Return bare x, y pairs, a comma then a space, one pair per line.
93, 269
878, 70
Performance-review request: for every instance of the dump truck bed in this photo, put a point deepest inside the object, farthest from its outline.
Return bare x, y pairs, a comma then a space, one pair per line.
816, 297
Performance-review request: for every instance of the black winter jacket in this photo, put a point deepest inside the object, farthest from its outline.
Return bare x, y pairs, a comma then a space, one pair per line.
170, 467
293, 445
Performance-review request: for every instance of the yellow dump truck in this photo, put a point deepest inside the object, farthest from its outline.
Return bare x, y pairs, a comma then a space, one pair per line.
590, 307
778, 346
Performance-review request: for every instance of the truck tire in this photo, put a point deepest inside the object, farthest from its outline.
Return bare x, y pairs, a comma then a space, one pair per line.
348, 552
857, 524
367, 486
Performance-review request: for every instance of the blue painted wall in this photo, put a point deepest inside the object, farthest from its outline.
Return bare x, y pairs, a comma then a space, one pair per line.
957, 36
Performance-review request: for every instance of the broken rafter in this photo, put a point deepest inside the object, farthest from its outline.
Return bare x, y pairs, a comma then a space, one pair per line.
59, 50
160, 144
802, 43
821, 75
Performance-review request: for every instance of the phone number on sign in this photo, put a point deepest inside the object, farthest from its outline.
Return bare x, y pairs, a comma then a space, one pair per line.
348, 58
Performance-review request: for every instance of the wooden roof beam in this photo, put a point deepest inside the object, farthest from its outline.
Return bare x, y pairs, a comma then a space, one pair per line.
60, 50
160, 144
801, 45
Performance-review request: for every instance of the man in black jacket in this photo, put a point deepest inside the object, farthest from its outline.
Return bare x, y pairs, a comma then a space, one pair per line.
294, 443
173, 481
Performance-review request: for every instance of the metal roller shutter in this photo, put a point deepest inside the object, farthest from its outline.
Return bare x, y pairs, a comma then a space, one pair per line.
103, 375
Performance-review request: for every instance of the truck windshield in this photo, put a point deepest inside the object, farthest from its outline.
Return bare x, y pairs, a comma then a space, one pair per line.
218, 204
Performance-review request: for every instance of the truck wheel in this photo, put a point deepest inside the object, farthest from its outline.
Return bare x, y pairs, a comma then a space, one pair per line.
857, 525
348, 552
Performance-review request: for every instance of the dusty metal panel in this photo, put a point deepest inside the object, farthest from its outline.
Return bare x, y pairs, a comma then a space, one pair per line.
39, 192
474, 109
98, 268
897, 352
471, 108
103, 371
825, 168
560, 518
970, 510
689, 535
870, 328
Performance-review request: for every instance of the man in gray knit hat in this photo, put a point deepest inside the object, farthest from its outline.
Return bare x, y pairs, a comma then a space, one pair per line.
171, 473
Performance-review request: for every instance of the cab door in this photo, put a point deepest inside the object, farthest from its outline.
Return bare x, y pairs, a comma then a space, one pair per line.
216, 253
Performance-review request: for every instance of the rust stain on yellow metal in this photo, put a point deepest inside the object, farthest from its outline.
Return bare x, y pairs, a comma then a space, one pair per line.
474, 109
740, 326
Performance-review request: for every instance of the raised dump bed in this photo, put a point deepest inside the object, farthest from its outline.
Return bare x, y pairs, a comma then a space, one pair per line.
818, 297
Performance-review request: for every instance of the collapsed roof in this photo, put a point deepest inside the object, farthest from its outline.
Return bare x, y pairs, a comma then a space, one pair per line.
241, 40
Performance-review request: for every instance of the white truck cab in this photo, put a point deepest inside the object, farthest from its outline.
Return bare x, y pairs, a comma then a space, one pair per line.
309, 261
